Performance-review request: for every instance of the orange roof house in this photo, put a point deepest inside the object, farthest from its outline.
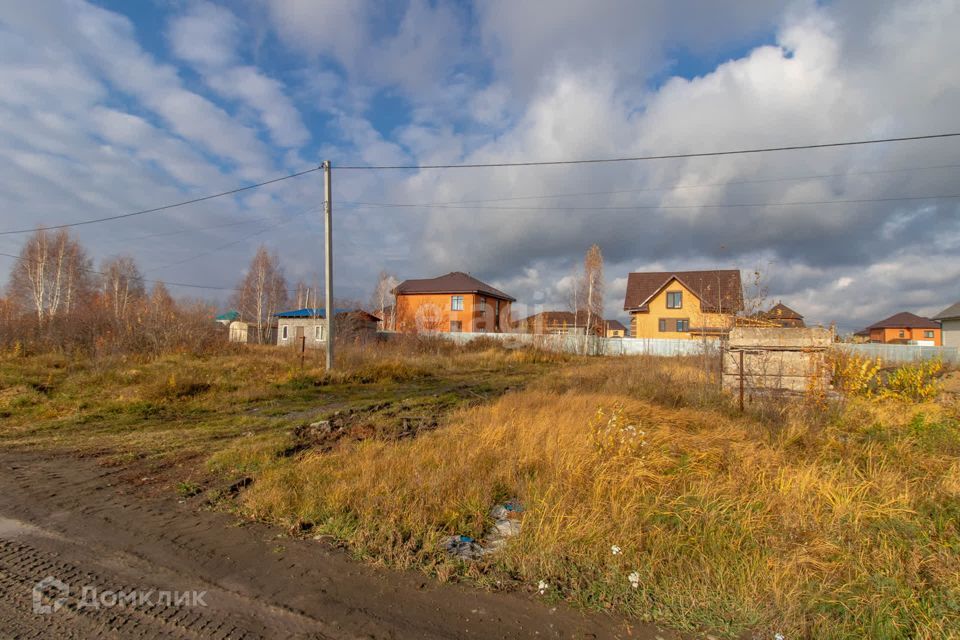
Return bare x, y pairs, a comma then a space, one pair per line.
682, 304
906, 328
453, 302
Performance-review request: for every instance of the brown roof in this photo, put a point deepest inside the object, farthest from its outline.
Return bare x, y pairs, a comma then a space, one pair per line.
615, 324
556, 318
717, 289
455, 282
781, 311
951, 312
905, 320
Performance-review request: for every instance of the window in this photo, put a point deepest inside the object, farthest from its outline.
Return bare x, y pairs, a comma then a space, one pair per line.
902, 333
456, 326
928, 334
675, 324
482, 304
456, 303
674, 299
318, 332
283, 331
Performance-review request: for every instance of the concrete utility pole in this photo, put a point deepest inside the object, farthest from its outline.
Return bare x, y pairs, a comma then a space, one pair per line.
328, 310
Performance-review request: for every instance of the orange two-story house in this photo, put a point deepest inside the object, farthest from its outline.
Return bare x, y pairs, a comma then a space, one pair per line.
906, 328
683, 304
454, 302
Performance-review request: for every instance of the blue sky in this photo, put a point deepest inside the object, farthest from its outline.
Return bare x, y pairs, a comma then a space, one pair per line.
114, 106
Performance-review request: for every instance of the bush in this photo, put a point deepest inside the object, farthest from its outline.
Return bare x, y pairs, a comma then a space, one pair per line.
915, 381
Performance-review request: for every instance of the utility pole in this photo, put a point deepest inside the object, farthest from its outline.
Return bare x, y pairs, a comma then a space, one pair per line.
328, 309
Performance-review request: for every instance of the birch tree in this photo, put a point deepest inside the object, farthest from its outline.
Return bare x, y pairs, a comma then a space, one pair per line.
593, 290
122, 286
52, 274
262, 292
383, 296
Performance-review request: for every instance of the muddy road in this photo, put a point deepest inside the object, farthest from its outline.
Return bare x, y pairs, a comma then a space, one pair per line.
136, 565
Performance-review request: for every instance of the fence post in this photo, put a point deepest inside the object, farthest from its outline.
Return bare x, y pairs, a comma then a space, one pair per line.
303, 349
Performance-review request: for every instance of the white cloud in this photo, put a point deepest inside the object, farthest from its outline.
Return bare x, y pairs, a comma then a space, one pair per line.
207, 36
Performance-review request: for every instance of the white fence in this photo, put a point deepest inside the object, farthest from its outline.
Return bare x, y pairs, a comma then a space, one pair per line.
901, 353
597, 346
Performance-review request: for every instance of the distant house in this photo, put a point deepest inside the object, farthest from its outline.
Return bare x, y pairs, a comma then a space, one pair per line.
614, 329
453, 302
554, 323
308, 326
950, 325
683, 304
906, 328
227, 317
783, 316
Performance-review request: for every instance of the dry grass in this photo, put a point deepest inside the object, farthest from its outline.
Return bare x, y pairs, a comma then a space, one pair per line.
837, 523
843, 529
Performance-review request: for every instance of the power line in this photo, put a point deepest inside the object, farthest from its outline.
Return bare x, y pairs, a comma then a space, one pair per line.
233, 242
659, 206
195, 229
671, 156
655, 189
164, 207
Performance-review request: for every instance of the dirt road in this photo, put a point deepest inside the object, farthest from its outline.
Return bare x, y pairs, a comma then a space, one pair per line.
201, 574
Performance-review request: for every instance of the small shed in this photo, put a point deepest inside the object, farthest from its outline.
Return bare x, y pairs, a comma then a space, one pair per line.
776, 359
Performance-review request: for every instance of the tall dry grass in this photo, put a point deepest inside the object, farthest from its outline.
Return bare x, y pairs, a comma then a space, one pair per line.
846, 529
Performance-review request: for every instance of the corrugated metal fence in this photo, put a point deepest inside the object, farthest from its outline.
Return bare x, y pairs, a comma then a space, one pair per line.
901, 353
597, 346
891, 354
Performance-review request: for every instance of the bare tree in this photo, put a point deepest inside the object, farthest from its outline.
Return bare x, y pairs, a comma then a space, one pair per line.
52, 274
262, 293
122, 286
593, 290
429, 318
308, 296
382, 297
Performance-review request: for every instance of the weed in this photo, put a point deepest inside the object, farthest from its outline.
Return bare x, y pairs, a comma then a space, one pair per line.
188, 489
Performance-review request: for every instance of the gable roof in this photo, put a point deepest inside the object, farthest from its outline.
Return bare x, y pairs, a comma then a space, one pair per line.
454, 282
782, 312
950, 313
615, 324
717, 289
905, 320
228, 315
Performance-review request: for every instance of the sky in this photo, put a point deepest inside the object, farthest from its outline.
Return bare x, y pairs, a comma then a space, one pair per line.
113, 106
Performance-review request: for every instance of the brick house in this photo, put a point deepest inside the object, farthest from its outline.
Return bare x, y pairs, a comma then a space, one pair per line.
453, 302
906, 328
683, 304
